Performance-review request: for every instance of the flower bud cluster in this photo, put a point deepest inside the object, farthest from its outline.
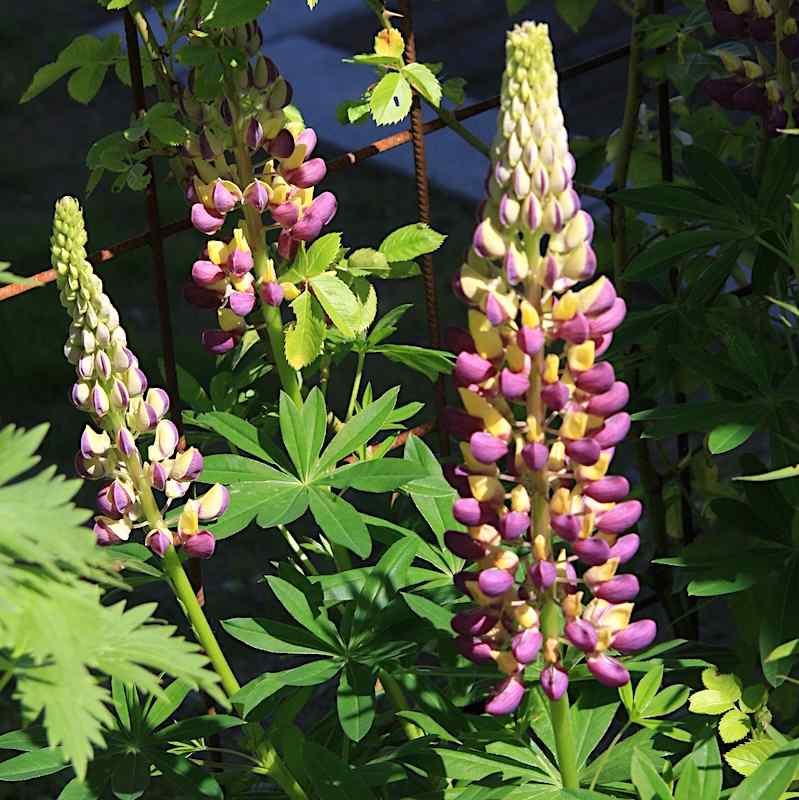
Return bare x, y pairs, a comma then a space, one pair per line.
546, 524
113, 390
284, 184
752, 86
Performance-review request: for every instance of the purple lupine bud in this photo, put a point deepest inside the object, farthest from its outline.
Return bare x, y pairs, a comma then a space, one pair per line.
272, 293
254, 134
201, 297
592, 551
583, 451
282, 146
325, 206
119, 395
223, 199
459, 424
213, 503
610, 402
93, 443
187, 465
108, 531
86, 366
136, 382
608, 671
619, 589
265, 72
206, 221
597, 379
158, 476
219, 342
635, 637
102, 363
554, 681
308, 174
721, 90
120, 497
467, 511
507, 697
567, 526
614, 430
526, 645
241, 303
555, 395
543, 574
166, 440
581, 634
514, 525
458, 340
159, 541
99, 403
494, 310
225, 113
494, 582
574, 330
474, 622
458, 479
626, 547
322, 210
476, 651
201, 545
204, 273
121, 358
287, 245
513, 384
286, 214
240, 262
104, 503
125, 442
569, 580
471, 368
751, 98
509, 210
159, 400
609, 320
463, 546
620, 518
487, 449
80, 394
462, 580
530, 340
610, 489
514, 265
535, 455
256, 195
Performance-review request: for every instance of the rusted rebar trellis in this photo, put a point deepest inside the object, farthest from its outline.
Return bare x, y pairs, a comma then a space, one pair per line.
157, 233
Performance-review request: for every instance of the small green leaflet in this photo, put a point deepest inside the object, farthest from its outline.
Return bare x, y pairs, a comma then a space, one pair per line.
305, 337
338, 301
423, 80
728, 436
391, 99
575, 13
411, 241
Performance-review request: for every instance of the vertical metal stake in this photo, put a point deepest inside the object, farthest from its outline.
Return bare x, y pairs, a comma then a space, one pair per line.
423, 204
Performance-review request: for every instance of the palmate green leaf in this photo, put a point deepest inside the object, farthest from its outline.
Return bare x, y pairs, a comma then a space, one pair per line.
240, 433
592, 714
303, 429
378, 475
355, 700
34, 764
332, 778
711, 174
707, 758
688, 787
276, 637
423, 80
305, 337
358, 431
338, 301
188, 778
654, 259
668, 200
131, 777
391, 99
647, 781
411, 241
431, 363
340, 521
296, 604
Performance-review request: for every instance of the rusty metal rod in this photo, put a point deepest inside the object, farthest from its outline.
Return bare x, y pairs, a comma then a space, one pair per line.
341, 162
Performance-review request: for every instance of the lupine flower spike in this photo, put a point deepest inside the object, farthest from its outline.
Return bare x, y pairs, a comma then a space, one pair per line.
112, 389
547, 526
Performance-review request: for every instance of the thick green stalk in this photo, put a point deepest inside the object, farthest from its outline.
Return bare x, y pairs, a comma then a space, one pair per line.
397, 697
263, 268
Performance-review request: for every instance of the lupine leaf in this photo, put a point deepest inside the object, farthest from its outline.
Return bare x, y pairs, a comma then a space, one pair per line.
355, 700
431, 363
237, 431
379, 475
340, 521
647, 781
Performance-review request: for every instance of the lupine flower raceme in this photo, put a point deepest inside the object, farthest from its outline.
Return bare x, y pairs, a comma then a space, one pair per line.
546, 524
112, 389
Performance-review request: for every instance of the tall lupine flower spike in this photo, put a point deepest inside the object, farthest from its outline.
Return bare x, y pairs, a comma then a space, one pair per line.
111, 388
546, 523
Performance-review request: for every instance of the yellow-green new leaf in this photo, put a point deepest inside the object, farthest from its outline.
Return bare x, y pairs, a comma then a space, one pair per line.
734, 726
338, 301
391, 99
305, 337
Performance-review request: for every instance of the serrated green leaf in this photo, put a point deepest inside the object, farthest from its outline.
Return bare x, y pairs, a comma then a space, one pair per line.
772, 777
304, 339
747, 757
391, 99
423, 80
734, 726
411, 241
338, 301
710, 701
322, 253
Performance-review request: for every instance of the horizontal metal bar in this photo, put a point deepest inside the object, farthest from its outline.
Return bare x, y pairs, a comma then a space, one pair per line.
344, 161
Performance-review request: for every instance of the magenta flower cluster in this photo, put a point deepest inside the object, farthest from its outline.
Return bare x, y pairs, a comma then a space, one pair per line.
545, 523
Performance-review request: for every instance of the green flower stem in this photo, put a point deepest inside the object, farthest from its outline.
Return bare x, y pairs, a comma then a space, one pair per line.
604, 757
263, 268
356, 385
397, 696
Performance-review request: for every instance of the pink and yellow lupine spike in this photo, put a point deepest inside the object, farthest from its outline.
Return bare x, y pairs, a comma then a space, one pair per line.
542, 413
